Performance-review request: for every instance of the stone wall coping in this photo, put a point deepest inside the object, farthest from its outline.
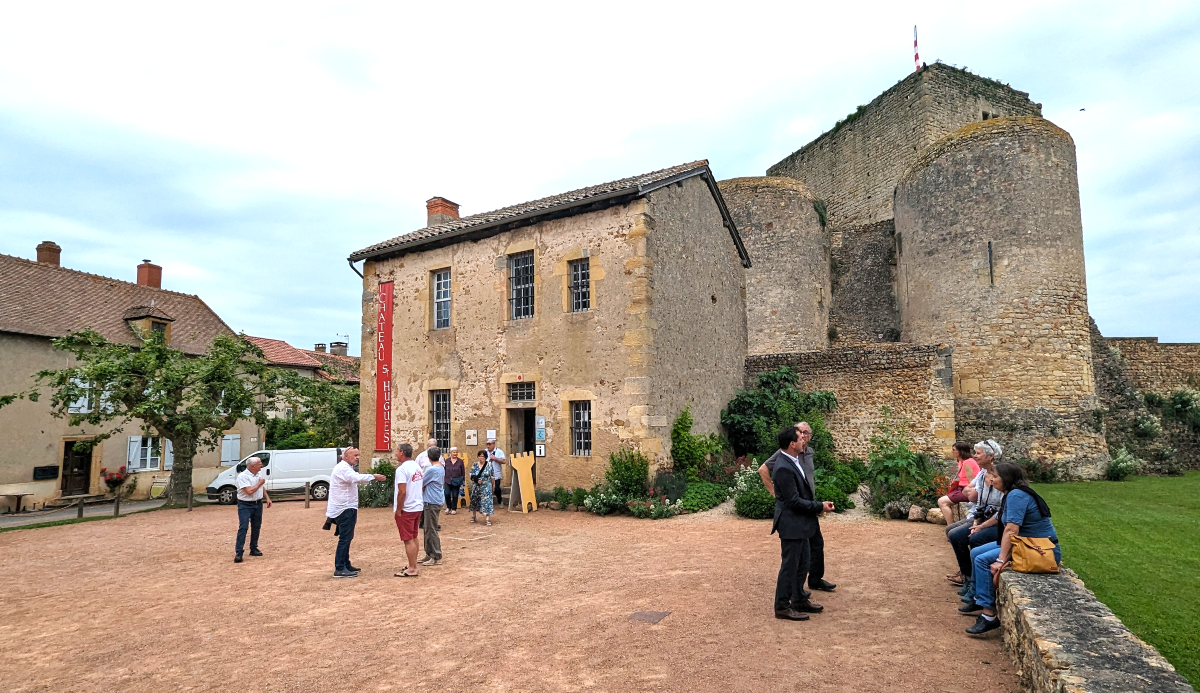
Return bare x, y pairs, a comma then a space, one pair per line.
1063, 640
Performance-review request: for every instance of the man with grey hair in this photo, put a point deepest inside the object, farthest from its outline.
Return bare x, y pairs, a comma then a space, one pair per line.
423, 458
251, 492
342, 508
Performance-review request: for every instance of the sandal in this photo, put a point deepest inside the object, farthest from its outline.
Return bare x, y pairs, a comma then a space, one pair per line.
955, 580
405, 573
488, 523
474, 520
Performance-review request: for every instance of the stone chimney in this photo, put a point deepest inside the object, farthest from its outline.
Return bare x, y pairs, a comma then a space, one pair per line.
48, 253
440, 210
319, 348
149, 275
338, 348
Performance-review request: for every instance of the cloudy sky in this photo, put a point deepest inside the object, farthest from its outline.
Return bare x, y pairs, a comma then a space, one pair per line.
248, 148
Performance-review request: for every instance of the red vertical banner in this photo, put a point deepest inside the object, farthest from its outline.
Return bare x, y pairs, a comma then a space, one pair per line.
383, 369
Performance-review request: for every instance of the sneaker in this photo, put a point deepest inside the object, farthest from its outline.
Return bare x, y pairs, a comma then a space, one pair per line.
344, 574
435, 561
237, 558
424, 559
962, 591
969, 608
983, 625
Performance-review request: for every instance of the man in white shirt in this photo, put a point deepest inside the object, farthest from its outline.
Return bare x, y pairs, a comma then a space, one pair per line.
251, 490
496, 456
423, 458
343, 508
408, 504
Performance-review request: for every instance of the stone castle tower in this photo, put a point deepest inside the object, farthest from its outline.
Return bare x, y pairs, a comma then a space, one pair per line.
945, 212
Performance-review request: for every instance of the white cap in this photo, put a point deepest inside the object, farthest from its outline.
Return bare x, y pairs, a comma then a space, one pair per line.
491, 440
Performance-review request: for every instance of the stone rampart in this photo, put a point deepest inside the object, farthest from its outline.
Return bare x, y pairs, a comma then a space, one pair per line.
913, 381
863, 269
1065, 640
1159, 367
855, 165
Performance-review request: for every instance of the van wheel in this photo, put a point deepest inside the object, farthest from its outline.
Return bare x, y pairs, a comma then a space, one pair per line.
227, 495
320, 491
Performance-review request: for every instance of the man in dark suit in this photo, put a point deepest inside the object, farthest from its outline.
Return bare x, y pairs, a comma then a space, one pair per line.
796, 514
816, 569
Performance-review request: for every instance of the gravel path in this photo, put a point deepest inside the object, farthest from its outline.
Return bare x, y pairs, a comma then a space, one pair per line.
534, 603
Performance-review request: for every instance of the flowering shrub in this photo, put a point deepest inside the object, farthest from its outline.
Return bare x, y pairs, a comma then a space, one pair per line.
114, 480
653, 508
602, 501
1122, 465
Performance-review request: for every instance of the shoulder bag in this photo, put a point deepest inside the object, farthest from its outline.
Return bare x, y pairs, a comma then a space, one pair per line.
1033, 555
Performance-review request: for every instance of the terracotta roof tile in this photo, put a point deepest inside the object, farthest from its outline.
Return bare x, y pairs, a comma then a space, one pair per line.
51, 301
345, 368
280, 353
634, 185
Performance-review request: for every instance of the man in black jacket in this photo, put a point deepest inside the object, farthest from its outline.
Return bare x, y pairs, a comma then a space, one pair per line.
796, 522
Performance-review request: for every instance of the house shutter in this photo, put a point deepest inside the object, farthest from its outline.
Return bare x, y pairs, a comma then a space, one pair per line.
231, 449
133, 452
168, 455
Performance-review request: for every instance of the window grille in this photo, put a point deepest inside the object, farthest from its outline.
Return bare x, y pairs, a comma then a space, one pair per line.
520, 285
439, 404
581, 290
581, 428
522, 392
441, 300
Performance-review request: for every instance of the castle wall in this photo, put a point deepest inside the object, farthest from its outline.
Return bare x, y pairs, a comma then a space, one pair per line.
990, 260
913, 381
787, 288
1159, 367
863, 269
854, 166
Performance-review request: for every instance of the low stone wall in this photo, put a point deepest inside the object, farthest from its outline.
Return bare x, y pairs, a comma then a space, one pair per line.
1065, 640
914, 381
1159, 367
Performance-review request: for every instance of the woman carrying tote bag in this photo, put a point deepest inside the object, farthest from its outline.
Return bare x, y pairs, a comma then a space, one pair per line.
1029, 542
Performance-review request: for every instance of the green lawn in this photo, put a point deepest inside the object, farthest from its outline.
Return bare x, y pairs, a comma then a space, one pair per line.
1136, 544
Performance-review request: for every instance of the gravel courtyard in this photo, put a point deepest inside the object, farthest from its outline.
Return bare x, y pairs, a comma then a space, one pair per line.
535, 603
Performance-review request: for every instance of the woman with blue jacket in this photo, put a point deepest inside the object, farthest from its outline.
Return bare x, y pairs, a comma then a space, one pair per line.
1023, 513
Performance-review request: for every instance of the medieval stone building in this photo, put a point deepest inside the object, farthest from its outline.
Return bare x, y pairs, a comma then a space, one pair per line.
923, 257
580, 323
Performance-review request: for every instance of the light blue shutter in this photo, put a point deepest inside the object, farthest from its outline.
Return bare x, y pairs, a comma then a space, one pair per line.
133, 452
168, 455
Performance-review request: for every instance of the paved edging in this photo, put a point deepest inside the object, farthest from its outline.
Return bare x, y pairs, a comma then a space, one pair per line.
1064, 640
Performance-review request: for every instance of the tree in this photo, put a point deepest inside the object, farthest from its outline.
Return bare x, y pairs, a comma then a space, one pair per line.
189, 400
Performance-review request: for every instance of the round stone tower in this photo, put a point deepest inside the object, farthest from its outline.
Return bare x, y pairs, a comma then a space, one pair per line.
990, 261
787, 288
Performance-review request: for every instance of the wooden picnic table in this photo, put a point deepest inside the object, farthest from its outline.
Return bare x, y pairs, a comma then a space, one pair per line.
17, 500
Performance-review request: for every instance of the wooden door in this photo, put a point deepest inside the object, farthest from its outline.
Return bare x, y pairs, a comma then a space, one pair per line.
77, 470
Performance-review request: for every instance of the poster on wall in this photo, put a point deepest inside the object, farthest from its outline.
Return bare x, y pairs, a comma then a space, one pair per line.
383, 368
472, 437
491, 435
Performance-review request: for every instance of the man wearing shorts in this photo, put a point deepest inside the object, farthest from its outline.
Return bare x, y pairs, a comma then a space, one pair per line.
408, 505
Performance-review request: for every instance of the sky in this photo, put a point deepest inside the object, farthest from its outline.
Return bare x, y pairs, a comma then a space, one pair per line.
249, 148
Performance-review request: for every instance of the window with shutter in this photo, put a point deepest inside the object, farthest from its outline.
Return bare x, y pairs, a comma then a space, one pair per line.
231, 450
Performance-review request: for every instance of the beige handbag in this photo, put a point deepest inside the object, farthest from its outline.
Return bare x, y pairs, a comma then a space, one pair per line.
1033, 555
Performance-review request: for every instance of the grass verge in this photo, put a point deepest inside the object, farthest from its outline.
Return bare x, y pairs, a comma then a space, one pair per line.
1136, 544
93, 518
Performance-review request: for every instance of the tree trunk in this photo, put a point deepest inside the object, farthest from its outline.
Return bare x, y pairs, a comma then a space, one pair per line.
181, 473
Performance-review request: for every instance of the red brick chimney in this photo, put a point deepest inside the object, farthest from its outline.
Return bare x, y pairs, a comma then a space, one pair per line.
440, 210
149, 275
49, 252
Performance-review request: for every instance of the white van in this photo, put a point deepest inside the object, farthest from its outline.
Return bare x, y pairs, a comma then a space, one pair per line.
286, 470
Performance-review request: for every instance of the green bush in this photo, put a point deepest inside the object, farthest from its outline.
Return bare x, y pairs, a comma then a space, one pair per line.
831, 492
755, 503
703, 495
1121, 466
652, 508
668, 484
602, 501
578, 496
753, 417
562, 496
627, 474
690, 452
378, 494
846, 478
300, 441
1041, 471
1184, 406
897, 474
